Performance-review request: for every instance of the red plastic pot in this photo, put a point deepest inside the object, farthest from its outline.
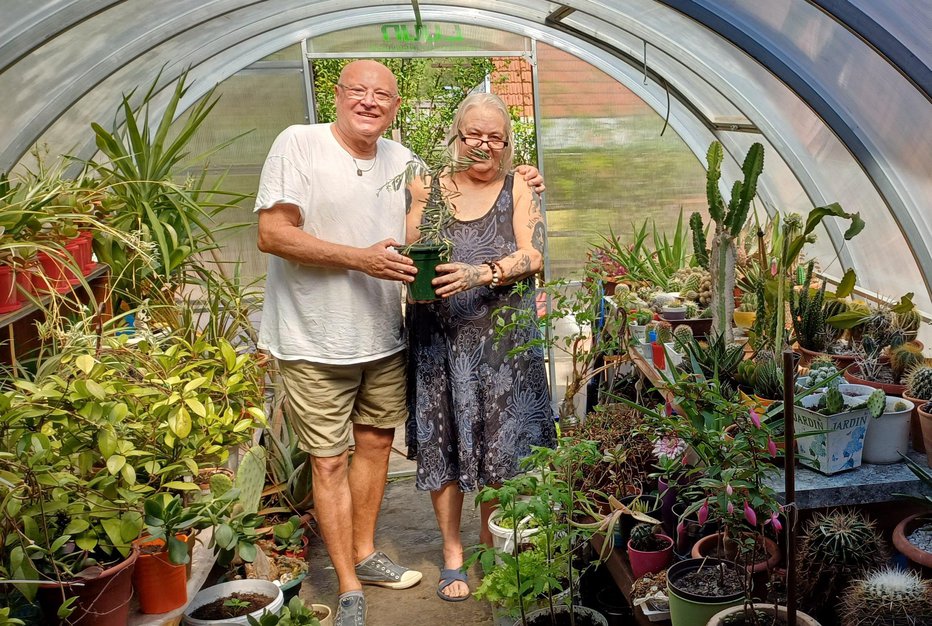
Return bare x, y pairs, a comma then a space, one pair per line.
9, 298
650, 562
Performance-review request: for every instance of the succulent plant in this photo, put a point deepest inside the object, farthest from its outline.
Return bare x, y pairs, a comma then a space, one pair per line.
835, 548
877, 403
768, 380
745, 373
903, 358
919, 383
887, 597
644, 538
908, 322
250, 478
664, 332
821, 370
693, 282
699, 245
832, 403
220, 484
808, 314
692, 310
748, 302
682, 334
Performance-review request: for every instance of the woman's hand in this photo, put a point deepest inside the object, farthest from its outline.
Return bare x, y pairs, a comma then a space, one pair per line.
533, 177
457, 277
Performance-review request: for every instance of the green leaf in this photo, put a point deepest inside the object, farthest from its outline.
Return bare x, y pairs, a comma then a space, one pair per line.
86, 541
229, 354
177, 551
129, 474
76, 526
195, 383
180, 485
95, 389
130, 526
846, 286
195, 405
905, 304
247, 551
114, 528
180, 422
85, 363
224, 536
115, 463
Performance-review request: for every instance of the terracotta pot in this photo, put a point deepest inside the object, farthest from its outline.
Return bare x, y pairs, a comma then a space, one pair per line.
919, 558
101, 601
801, 618
841, 360
915, 427
925, 422
852, 375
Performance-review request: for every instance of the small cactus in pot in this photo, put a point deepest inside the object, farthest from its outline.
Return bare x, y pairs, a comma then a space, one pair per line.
821, 371
904, 358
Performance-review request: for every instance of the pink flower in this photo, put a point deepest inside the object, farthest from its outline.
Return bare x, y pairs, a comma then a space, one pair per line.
749, 514
704, 512
730, 508
775, 520
773, 267
771, 446
680, 529
729, 490
755, 418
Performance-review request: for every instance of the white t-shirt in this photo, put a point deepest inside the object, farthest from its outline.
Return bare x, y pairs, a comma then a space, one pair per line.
328, 315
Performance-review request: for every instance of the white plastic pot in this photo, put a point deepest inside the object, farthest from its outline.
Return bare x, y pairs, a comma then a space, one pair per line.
503, 539
888, 435
248, 585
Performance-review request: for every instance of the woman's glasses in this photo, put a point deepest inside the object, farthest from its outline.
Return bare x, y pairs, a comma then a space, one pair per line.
359, 93
475, 142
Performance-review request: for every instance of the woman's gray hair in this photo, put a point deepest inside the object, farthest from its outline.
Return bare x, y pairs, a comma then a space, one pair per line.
479, 100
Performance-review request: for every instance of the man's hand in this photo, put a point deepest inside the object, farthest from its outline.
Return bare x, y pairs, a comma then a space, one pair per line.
532, 176
456, 277
381, 261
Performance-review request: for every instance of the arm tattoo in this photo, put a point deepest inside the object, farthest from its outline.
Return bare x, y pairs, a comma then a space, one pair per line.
472, 274
535, 207
523, 264
409, 199
537, 237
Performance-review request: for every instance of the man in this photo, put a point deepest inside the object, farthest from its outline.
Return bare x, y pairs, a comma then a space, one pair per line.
332, 314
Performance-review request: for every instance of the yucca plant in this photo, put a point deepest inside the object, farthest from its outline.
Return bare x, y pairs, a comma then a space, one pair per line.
142, 159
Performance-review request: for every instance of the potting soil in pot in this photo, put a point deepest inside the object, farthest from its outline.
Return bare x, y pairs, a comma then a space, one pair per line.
221, 608
562, 619
922, 538
713, 582
763, 617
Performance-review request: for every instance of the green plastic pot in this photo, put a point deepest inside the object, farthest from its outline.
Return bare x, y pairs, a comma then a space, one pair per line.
426, 258
689, 609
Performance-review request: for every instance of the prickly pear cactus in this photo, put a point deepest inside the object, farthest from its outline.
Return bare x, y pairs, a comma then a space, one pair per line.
834, 402
250, 478
220, 484
877, 403
919, 383
887, 597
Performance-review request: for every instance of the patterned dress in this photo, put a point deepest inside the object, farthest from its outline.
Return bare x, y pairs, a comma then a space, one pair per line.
474, 410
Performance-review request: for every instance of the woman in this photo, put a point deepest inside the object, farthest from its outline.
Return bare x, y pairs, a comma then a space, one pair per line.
475, 411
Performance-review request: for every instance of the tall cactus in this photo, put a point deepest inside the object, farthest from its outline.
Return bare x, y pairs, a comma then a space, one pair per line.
699, 246
729, 219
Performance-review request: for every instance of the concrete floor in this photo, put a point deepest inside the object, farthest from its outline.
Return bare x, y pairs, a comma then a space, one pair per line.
407, 531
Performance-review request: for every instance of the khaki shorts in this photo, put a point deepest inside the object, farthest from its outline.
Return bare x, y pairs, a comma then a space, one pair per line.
325, 399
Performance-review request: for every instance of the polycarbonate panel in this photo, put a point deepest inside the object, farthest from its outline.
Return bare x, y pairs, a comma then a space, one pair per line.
714, 107
909, 21
607, 165
430, 38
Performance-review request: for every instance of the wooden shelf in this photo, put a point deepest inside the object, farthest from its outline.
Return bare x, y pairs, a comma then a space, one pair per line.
617, 565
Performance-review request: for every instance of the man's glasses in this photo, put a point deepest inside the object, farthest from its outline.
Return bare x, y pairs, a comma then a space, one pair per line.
475, 142
359, 93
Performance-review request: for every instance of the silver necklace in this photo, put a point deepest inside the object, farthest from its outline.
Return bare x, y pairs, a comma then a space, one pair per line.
359, 170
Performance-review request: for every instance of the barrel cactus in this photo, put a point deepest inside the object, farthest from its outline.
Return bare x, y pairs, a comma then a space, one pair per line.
887, 597
919, 383
903, 358
682, 334
836, 547
909, 322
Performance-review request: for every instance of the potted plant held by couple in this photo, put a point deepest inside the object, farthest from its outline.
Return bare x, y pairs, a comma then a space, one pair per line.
431, 248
